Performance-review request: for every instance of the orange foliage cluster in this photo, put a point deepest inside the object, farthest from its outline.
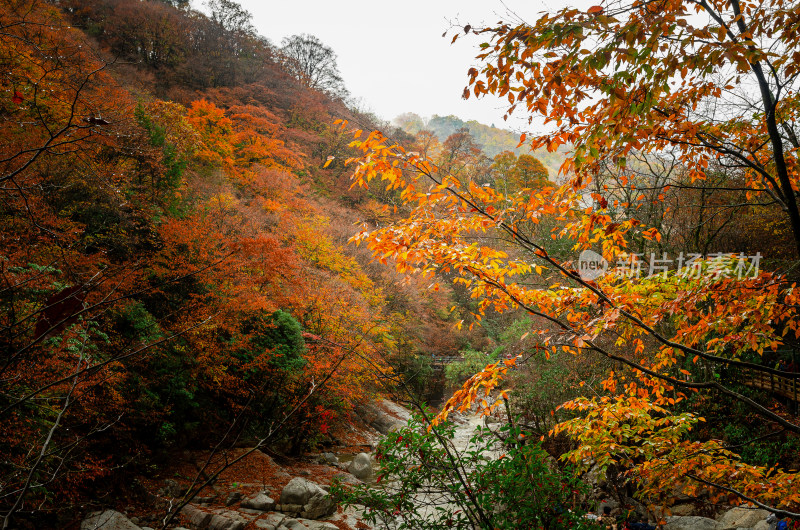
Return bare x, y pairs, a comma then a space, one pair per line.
617, 82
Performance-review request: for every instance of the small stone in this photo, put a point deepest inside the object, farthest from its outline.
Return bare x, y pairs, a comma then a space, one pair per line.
260, 501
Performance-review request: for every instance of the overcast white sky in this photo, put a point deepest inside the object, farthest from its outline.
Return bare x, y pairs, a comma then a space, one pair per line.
392, 55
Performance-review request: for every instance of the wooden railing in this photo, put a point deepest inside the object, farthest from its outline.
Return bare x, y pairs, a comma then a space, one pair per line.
440, 362
782, 386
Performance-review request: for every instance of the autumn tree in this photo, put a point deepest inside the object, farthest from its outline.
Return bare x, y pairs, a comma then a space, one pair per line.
313, 64
713, 83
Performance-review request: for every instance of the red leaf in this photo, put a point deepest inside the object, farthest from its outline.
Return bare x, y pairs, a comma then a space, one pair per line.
17, 98
595, 10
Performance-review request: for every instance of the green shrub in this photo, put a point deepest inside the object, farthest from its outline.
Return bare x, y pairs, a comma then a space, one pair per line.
424, 483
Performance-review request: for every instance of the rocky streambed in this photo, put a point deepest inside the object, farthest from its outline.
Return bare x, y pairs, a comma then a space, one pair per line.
260, 493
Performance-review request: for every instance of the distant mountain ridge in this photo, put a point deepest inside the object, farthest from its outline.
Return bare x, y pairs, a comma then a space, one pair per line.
493, 140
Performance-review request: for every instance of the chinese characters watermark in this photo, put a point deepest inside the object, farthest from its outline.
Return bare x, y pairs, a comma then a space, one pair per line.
592, 265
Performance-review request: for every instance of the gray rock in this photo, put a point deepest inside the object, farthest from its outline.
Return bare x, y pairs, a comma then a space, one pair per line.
233, 498
762, 525
203, 500
299, 491
682, 509
691, 522
270, 521
361, 466
259, 501
384, 416
225, 521
741, 518
314, 501
107, 520
318, 525
330, 458
347, 478
318, 506
197, 517
172, 489
594, 476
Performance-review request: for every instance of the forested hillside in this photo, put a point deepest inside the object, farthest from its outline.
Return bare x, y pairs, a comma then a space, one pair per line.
175, 268
492, 140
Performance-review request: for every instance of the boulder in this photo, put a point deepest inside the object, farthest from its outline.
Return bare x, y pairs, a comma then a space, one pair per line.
361, 466
741, 518
347, 479
319, 506
330, 458
682, 509
298, 491
259, 501
197, 517
172, 489
270, 521
233, 498
306, 524
107, 520
313, 500
691, 522
384, 416
225, 522
320, 525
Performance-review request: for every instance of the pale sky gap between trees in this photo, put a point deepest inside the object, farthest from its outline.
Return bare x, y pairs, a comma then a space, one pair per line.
393, 56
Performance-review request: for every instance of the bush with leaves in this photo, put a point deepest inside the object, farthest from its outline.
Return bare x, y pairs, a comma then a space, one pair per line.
499, 480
